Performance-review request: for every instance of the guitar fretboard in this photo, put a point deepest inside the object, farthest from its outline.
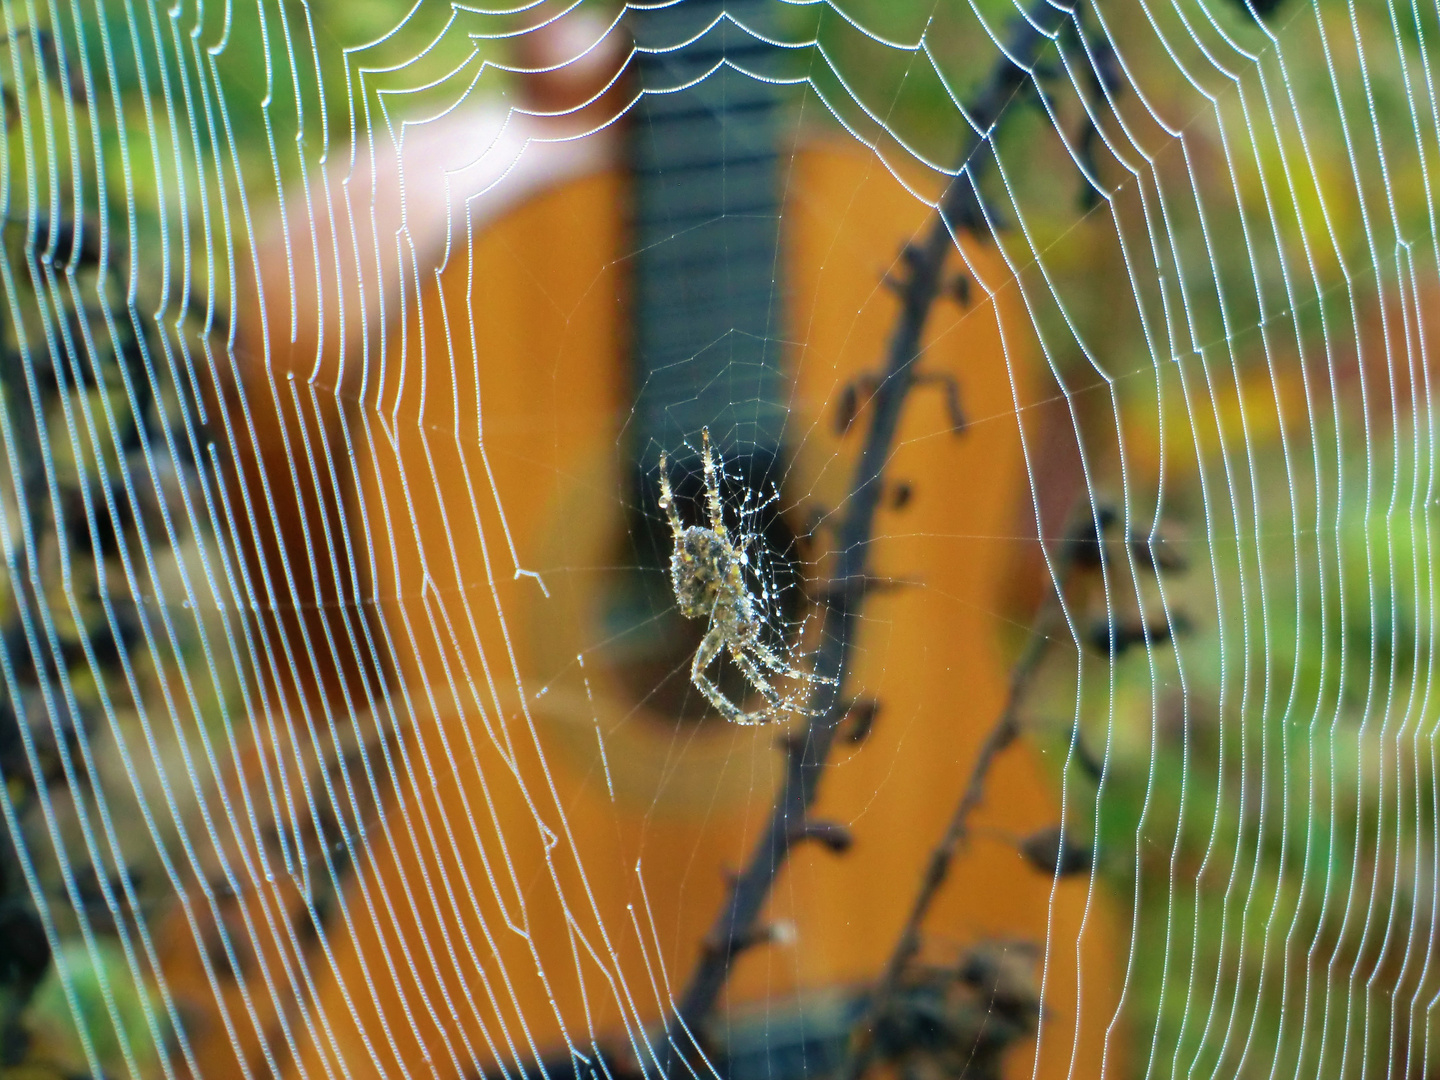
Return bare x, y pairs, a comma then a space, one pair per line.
708, 300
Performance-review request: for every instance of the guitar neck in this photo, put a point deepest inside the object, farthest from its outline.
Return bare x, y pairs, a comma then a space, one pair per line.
708, 300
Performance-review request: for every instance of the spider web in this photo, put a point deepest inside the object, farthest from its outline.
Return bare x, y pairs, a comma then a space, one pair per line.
348, 727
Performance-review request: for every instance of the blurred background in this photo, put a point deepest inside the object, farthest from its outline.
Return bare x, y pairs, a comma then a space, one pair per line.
1067, 375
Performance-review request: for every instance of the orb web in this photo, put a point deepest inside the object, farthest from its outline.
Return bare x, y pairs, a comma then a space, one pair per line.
347, 722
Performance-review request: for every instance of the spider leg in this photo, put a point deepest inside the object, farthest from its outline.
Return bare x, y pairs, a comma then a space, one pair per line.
775, 664
779, 667
709, 649
766, 656
755, 677
712, 487
790, 702
667, 498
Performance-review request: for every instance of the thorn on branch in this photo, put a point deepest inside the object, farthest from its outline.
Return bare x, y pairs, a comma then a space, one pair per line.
66, 78
850, 402
858, 586
977, 215
1158, 555
1258, 9
55, 738
1089, 197
1105, 76
1005, 732
861, 714
1118, 638
860, 391
951, 387
1085, 546
830, 834
1047, 71
1051, 852
913, 259
737, 942
57, 241
1092, 766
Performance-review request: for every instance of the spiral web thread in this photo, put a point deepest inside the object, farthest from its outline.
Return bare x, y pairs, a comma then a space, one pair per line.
1248, 367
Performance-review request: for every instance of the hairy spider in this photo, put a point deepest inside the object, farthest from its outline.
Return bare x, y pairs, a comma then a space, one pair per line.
709, 583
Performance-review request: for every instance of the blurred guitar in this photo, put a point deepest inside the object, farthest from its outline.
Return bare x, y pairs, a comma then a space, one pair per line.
466, 560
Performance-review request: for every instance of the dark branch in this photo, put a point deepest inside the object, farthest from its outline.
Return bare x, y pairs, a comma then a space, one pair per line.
960, 209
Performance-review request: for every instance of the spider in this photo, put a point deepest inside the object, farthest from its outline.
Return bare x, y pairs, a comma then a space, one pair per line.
705, 571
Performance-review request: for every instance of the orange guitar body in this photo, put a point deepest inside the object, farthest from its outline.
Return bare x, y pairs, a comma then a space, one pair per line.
532, 846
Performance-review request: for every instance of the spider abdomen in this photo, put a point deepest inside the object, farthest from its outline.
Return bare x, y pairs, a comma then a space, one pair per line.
700, 569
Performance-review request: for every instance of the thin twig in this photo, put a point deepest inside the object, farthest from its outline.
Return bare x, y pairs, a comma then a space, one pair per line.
1005, 731
960, 209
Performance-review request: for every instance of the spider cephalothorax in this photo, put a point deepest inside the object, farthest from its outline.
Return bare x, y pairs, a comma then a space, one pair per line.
707, 573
